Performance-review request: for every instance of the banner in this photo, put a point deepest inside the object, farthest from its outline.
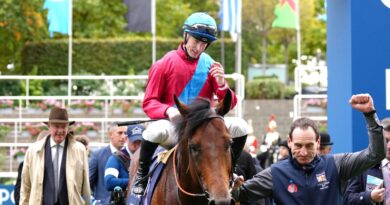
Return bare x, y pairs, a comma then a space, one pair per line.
230, 15
286, 14
7, 194
138, 15
57, 16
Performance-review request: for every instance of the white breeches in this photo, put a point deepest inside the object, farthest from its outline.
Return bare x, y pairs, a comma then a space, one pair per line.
163, 133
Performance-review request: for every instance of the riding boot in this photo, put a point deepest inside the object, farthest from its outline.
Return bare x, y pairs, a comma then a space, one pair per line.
237, 146
145, 158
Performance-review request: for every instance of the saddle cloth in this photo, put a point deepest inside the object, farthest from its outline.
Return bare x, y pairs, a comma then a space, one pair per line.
155, 171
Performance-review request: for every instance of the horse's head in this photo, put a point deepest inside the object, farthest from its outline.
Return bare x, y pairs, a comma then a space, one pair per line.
205, 149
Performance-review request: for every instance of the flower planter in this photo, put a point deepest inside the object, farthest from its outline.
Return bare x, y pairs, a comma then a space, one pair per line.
25, 134
92, 133
6, 111
34, 111
76, 111
138, 110
117, 111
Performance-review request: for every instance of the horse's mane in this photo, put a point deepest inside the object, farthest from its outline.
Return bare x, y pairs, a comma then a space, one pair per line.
198, 111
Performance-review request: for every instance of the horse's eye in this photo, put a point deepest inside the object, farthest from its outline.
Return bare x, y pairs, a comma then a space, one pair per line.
195, 149
228, 145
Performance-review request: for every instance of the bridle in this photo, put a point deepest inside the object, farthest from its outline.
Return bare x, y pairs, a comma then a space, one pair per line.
204, 193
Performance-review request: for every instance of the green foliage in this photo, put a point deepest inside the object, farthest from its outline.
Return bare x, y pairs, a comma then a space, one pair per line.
10, 88
88, 87
102, 46
20, 21
267, 88
98, 18
109, 56
4, 130
170, 16
281, 42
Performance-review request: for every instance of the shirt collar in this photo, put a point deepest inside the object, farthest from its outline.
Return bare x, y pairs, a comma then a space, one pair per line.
384, 162
53, 143
181, 52
113, 149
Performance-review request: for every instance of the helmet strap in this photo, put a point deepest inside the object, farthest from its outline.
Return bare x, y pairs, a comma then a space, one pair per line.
186, 52
185, 48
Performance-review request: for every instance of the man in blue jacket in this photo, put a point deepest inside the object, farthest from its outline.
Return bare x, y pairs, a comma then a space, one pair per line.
307, 177
98, 159
117, 167
362, 189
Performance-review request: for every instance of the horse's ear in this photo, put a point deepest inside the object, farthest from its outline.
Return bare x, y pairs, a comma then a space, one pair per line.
225, 105
183, 109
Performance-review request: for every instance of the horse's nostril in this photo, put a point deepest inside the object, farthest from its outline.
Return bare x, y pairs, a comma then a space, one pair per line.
212, 202
232, 202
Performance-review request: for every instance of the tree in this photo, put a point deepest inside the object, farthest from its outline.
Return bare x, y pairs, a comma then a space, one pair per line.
98, 18
20, 21
170, 16
257, 19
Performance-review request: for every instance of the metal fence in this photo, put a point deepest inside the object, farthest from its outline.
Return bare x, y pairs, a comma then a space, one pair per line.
22, 114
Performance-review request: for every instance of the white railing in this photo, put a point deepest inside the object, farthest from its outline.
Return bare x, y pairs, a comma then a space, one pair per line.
302, 109
21, 116
314, 75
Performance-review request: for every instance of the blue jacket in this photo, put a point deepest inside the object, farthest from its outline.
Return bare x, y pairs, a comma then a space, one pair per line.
356, 193
116, 174
97, 164
316, 183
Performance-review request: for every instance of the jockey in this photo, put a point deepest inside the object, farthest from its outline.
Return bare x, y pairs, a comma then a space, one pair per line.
188, 73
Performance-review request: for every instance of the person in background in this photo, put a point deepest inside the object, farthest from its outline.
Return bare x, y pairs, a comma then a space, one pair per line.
117, 167
41, 135
188, 73
369, 187
247, 168
55, 169
309, 178
98, 160
272, 137
283, 151
251, 146
326, 144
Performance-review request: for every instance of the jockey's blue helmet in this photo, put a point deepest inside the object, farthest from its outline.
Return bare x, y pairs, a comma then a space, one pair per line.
201, 26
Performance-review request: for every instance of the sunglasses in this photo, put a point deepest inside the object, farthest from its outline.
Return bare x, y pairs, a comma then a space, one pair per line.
202, 29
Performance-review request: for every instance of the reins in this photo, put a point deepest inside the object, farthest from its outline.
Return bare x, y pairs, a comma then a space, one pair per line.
177, 181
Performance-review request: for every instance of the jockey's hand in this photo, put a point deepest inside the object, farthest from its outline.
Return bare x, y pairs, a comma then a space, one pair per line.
217, 71
362, 102
173, 114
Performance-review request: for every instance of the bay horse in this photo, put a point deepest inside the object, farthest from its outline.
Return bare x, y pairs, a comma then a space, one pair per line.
200, 169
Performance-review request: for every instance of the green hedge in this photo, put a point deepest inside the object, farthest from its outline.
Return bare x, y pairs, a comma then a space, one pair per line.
108, 56
268, 88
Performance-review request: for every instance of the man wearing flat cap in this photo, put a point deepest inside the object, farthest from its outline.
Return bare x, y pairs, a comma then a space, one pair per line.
55, 169
325, 143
